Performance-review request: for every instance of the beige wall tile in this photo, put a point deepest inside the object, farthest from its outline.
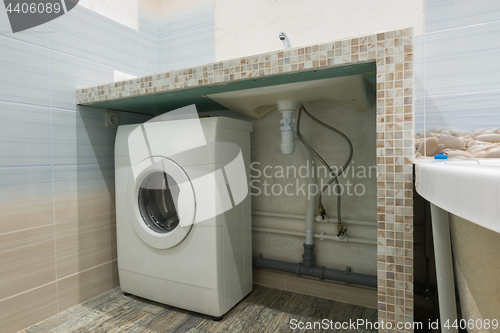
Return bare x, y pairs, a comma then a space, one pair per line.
83, 190
27, 260
27, 309
80, 287
25, 198
84, 243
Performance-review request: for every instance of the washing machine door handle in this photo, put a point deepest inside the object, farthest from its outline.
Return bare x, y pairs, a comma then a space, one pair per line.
186, 205
177, 181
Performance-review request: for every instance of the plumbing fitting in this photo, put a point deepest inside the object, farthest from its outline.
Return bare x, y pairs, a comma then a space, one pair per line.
308, 257
321, 211
341, 230
287, 108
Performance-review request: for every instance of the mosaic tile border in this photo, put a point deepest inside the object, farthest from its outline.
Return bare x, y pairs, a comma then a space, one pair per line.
393, 53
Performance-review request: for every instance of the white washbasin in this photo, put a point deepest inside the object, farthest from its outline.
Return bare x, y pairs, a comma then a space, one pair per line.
466, 188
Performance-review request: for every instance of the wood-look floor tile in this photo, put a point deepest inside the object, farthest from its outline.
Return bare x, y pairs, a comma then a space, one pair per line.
73, 318
142, 324
233, 321
325, 309
196, 330
112, 304
192, 320
146, 305
348, 312
256, 298
118, 320
262, 296
165, 321
300, 304
265, 310
366, 330
243, 313
286, 324
83, 314
271, 320
281, 300
370, 314
84, 318
355, 312
330, 310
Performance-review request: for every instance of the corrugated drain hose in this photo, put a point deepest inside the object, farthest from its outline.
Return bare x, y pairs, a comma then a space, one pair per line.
334, 176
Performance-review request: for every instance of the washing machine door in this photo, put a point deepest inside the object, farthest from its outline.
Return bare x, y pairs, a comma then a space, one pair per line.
161, 202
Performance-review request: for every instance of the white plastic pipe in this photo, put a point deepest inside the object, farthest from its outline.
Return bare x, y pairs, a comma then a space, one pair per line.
352, 222
321, 236
444, 268
318, 219
287, 108
311, 199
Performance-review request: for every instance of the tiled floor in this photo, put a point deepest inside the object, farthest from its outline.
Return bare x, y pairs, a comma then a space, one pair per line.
264, 310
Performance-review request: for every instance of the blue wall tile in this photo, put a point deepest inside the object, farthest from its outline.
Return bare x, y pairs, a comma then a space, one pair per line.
91, 36
24, 135
187, 49
36, 35
24, 70
148, 54
81, 137
68, 73
463, 60
448, 14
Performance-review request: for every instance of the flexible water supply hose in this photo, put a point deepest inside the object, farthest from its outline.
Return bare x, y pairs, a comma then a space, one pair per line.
334, 176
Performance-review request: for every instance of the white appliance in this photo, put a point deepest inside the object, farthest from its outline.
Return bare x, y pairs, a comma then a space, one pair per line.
171, 247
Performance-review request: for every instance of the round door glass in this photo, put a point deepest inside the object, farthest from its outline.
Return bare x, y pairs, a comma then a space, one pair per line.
158, 195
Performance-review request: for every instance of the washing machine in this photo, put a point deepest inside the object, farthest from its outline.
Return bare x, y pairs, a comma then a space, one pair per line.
183, 214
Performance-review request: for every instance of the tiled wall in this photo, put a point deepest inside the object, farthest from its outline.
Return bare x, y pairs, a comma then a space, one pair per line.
148, 37
243, 28
392, 52
457, 68
57, 222
186, 33
197, 32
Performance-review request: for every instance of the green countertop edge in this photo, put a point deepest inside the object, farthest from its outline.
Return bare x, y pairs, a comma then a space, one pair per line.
161, 102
